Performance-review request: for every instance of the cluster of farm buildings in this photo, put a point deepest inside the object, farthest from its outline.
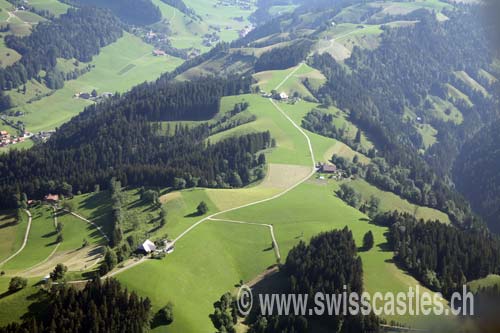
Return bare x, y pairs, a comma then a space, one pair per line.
148, 247
7, 139
331, 170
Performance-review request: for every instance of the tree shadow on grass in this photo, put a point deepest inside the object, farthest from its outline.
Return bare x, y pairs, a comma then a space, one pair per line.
50, 234
6, 225
194, 214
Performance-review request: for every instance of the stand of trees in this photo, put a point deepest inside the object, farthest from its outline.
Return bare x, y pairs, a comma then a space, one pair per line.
77, 34
328, 263
442, 257
136, 12
121, 138
476, 174
99, 307
283, 57
180, 5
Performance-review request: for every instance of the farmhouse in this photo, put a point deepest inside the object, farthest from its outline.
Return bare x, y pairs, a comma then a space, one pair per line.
282, 96
158, 53
148, 246
328, 168
51, 198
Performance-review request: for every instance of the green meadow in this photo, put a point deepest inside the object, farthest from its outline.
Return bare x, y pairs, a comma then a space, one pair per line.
53, 6
41, 242
11, 233
75, 231
117, 68
14, 306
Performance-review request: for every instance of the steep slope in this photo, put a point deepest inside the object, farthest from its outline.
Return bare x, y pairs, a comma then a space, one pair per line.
476, 173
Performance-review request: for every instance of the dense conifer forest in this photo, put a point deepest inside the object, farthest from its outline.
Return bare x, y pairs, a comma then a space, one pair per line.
122, 138
137, 12
79, 34
476, 173
100, 307
442, 257
400, 74
283, 57
325, 265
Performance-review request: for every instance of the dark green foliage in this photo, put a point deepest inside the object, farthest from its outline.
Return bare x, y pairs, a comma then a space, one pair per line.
137, 12
180, 5
225, 315
349, 195
477, 176
99, 307
411, 64
202, 208
165, 316
109, 262
283, 57
77, 34
328, 263
442, 257
368, 241
58, 272
17, 283
119, 138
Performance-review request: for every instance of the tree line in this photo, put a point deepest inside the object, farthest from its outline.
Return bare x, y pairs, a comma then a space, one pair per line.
99, 307
442, 257
283, 57
325, 265
79, 34
119, 138
135, 12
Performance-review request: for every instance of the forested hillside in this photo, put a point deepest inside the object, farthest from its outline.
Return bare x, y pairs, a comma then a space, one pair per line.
410, 65
77, 34
476, 173
443, 257
121, 138
138, 12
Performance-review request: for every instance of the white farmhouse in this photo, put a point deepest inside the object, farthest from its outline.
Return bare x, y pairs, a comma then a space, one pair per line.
148, 246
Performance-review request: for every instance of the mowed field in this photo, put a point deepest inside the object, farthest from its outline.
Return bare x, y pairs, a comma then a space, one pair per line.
269, 80
118, 67
11, 233
41, 254
41, 242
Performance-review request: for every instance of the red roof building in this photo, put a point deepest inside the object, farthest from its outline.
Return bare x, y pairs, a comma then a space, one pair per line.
51, 198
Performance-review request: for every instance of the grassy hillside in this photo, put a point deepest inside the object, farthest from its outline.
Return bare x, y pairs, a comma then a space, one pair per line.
214, 256
270, 80
54, 6
11, 233
41, 242
117, 68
